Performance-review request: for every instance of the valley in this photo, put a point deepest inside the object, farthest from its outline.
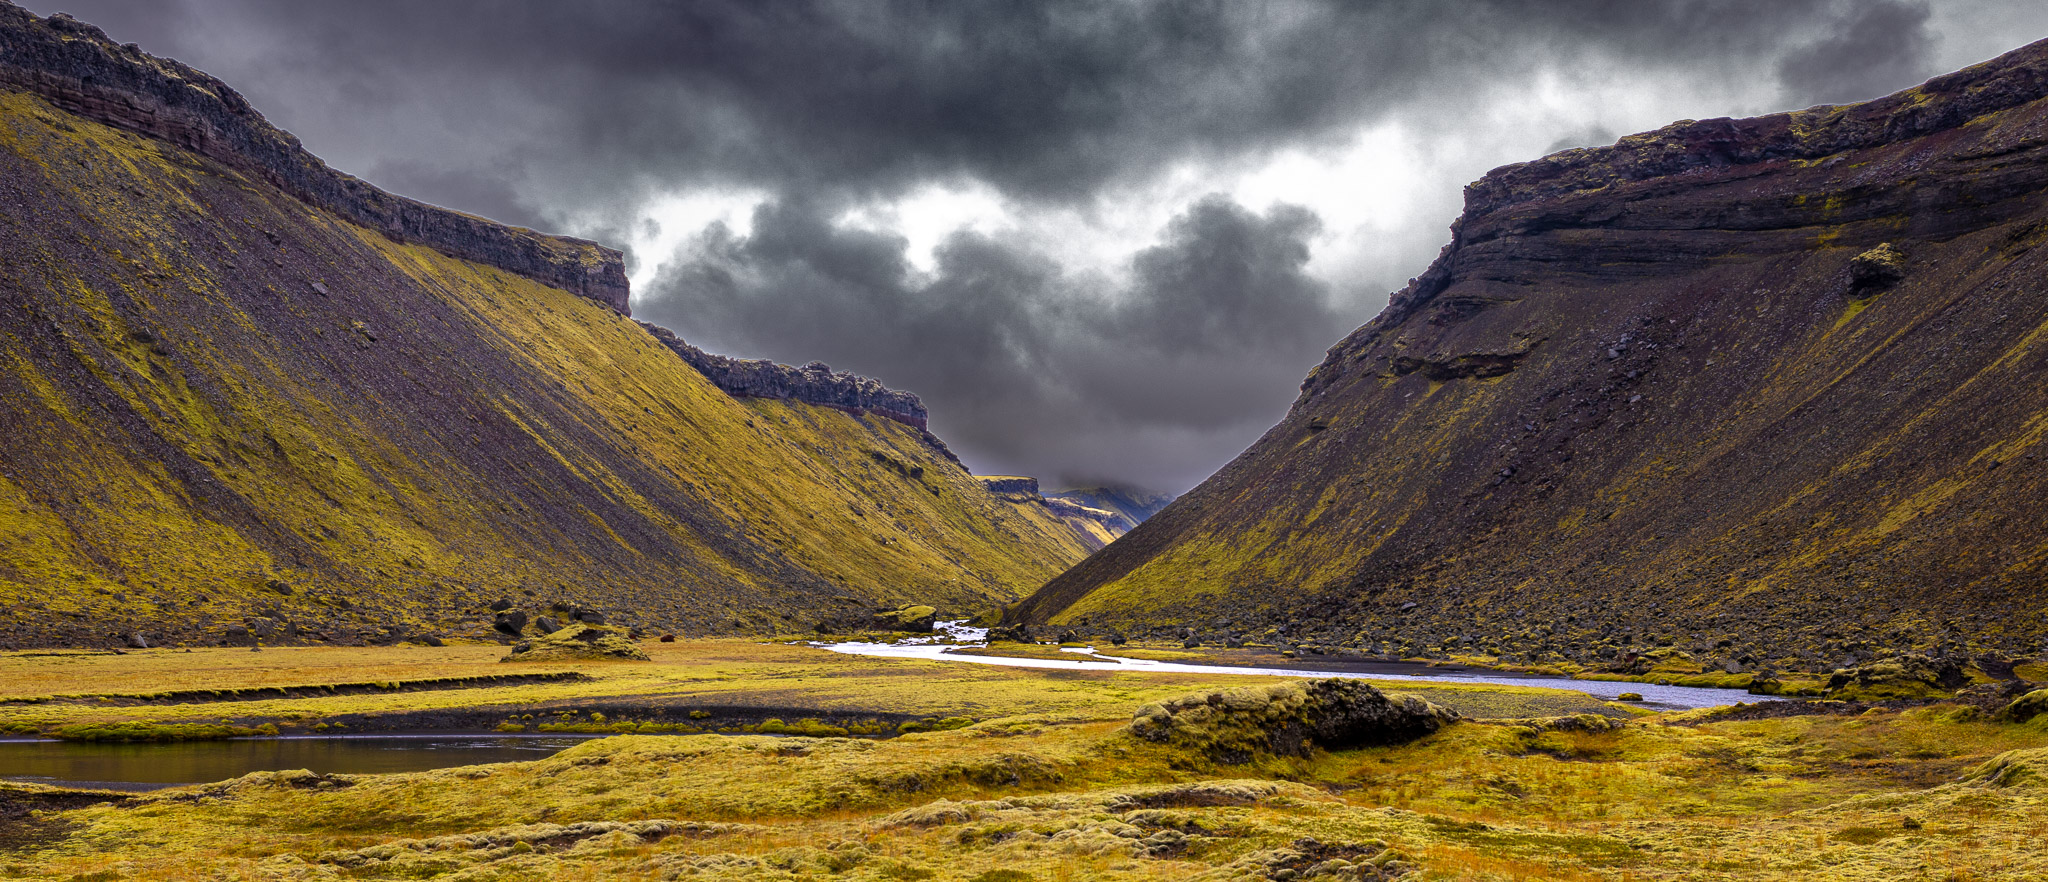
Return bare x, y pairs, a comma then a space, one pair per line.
1681, 521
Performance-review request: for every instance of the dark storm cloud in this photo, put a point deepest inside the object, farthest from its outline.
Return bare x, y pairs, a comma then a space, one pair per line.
1883, 47
577, 116
1213, 319
1052, 100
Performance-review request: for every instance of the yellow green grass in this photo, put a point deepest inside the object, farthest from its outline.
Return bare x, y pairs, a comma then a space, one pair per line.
98, 689
1063, 793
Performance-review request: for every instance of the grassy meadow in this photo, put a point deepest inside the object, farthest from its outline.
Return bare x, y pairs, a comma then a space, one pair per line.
998, 775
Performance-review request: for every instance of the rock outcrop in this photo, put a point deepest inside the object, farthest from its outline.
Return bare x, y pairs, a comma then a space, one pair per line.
814, 383
1764, 391
917, 619
1289, 719
2025, 707
74, 66
579, 642
1907, 676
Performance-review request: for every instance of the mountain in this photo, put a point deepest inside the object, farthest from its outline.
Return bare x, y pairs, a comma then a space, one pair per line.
240, 389
1130, 503
1771, 391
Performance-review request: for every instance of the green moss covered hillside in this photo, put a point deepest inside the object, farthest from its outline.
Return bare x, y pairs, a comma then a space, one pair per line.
237, 387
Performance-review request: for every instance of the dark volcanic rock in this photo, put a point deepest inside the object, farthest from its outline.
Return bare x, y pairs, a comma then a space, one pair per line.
1290, 719
813, 383
2025, 707
1905, 676
578, 642
914, 619
76, 67
512, 622
1764, 391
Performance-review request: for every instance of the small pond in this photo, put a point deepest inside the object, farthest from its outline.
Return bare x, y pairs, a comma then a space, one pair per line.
152, 766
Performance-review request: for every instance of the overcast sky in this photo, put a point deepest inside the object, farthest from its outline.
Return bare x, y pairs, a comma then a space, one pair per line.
1103, 239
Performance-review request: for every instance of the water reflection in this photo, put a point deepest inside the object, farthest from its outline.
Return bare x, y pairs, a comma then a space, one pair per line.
150, 766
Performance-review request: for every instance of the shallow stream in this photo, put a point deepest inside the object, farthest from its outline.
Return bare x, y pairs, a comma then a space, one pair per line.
956, 634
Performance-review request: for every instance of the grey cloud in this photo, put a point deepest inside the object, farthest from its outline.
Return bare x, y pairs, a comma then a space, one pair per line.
1590, 136
1880, 47
1205, 342
602, 102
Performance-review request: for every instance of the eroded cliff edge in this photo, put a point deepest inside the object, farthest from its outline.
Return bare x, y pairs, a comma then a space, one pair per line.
814, 383
74, 66
1770, 391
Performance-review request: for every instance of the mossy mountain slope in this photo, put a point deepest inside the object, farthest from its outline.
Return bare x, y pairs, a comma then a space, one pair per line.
220, 400
1769, 390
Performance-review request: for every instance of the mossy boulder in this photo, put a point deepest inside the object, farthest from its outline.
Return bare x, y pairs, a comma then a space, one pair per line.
576, 642
1289, 719
1876, 269
916, 619
1901, 677
2025, 707
2011, 768
1662, 660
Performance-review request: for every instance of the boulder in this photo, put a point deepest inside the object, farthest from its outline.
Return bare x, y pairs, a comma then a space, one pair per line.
512, 622
2025, 707
578, 642
2023, 767
1876, 269
917, 619
547, 625
1900, 677
1289, 719
1014, 634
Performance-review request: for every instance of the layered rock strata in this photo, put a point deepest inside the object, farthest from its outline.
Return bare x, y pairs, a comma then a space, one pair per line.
814, 383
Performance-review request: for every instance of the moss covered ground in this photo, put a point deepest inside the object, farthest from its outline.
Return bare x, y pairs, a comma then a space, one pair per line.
1016, 774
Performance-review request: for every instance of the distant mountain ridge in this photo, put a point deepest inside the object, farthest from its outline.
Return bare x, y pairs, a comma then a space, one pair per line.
1132, 503
1770, 392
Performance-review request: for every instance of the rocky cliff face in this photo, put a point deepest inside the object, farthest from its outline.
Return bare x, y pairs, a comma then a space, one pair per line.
75, 66
234, 409
814, 383
1769, 391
